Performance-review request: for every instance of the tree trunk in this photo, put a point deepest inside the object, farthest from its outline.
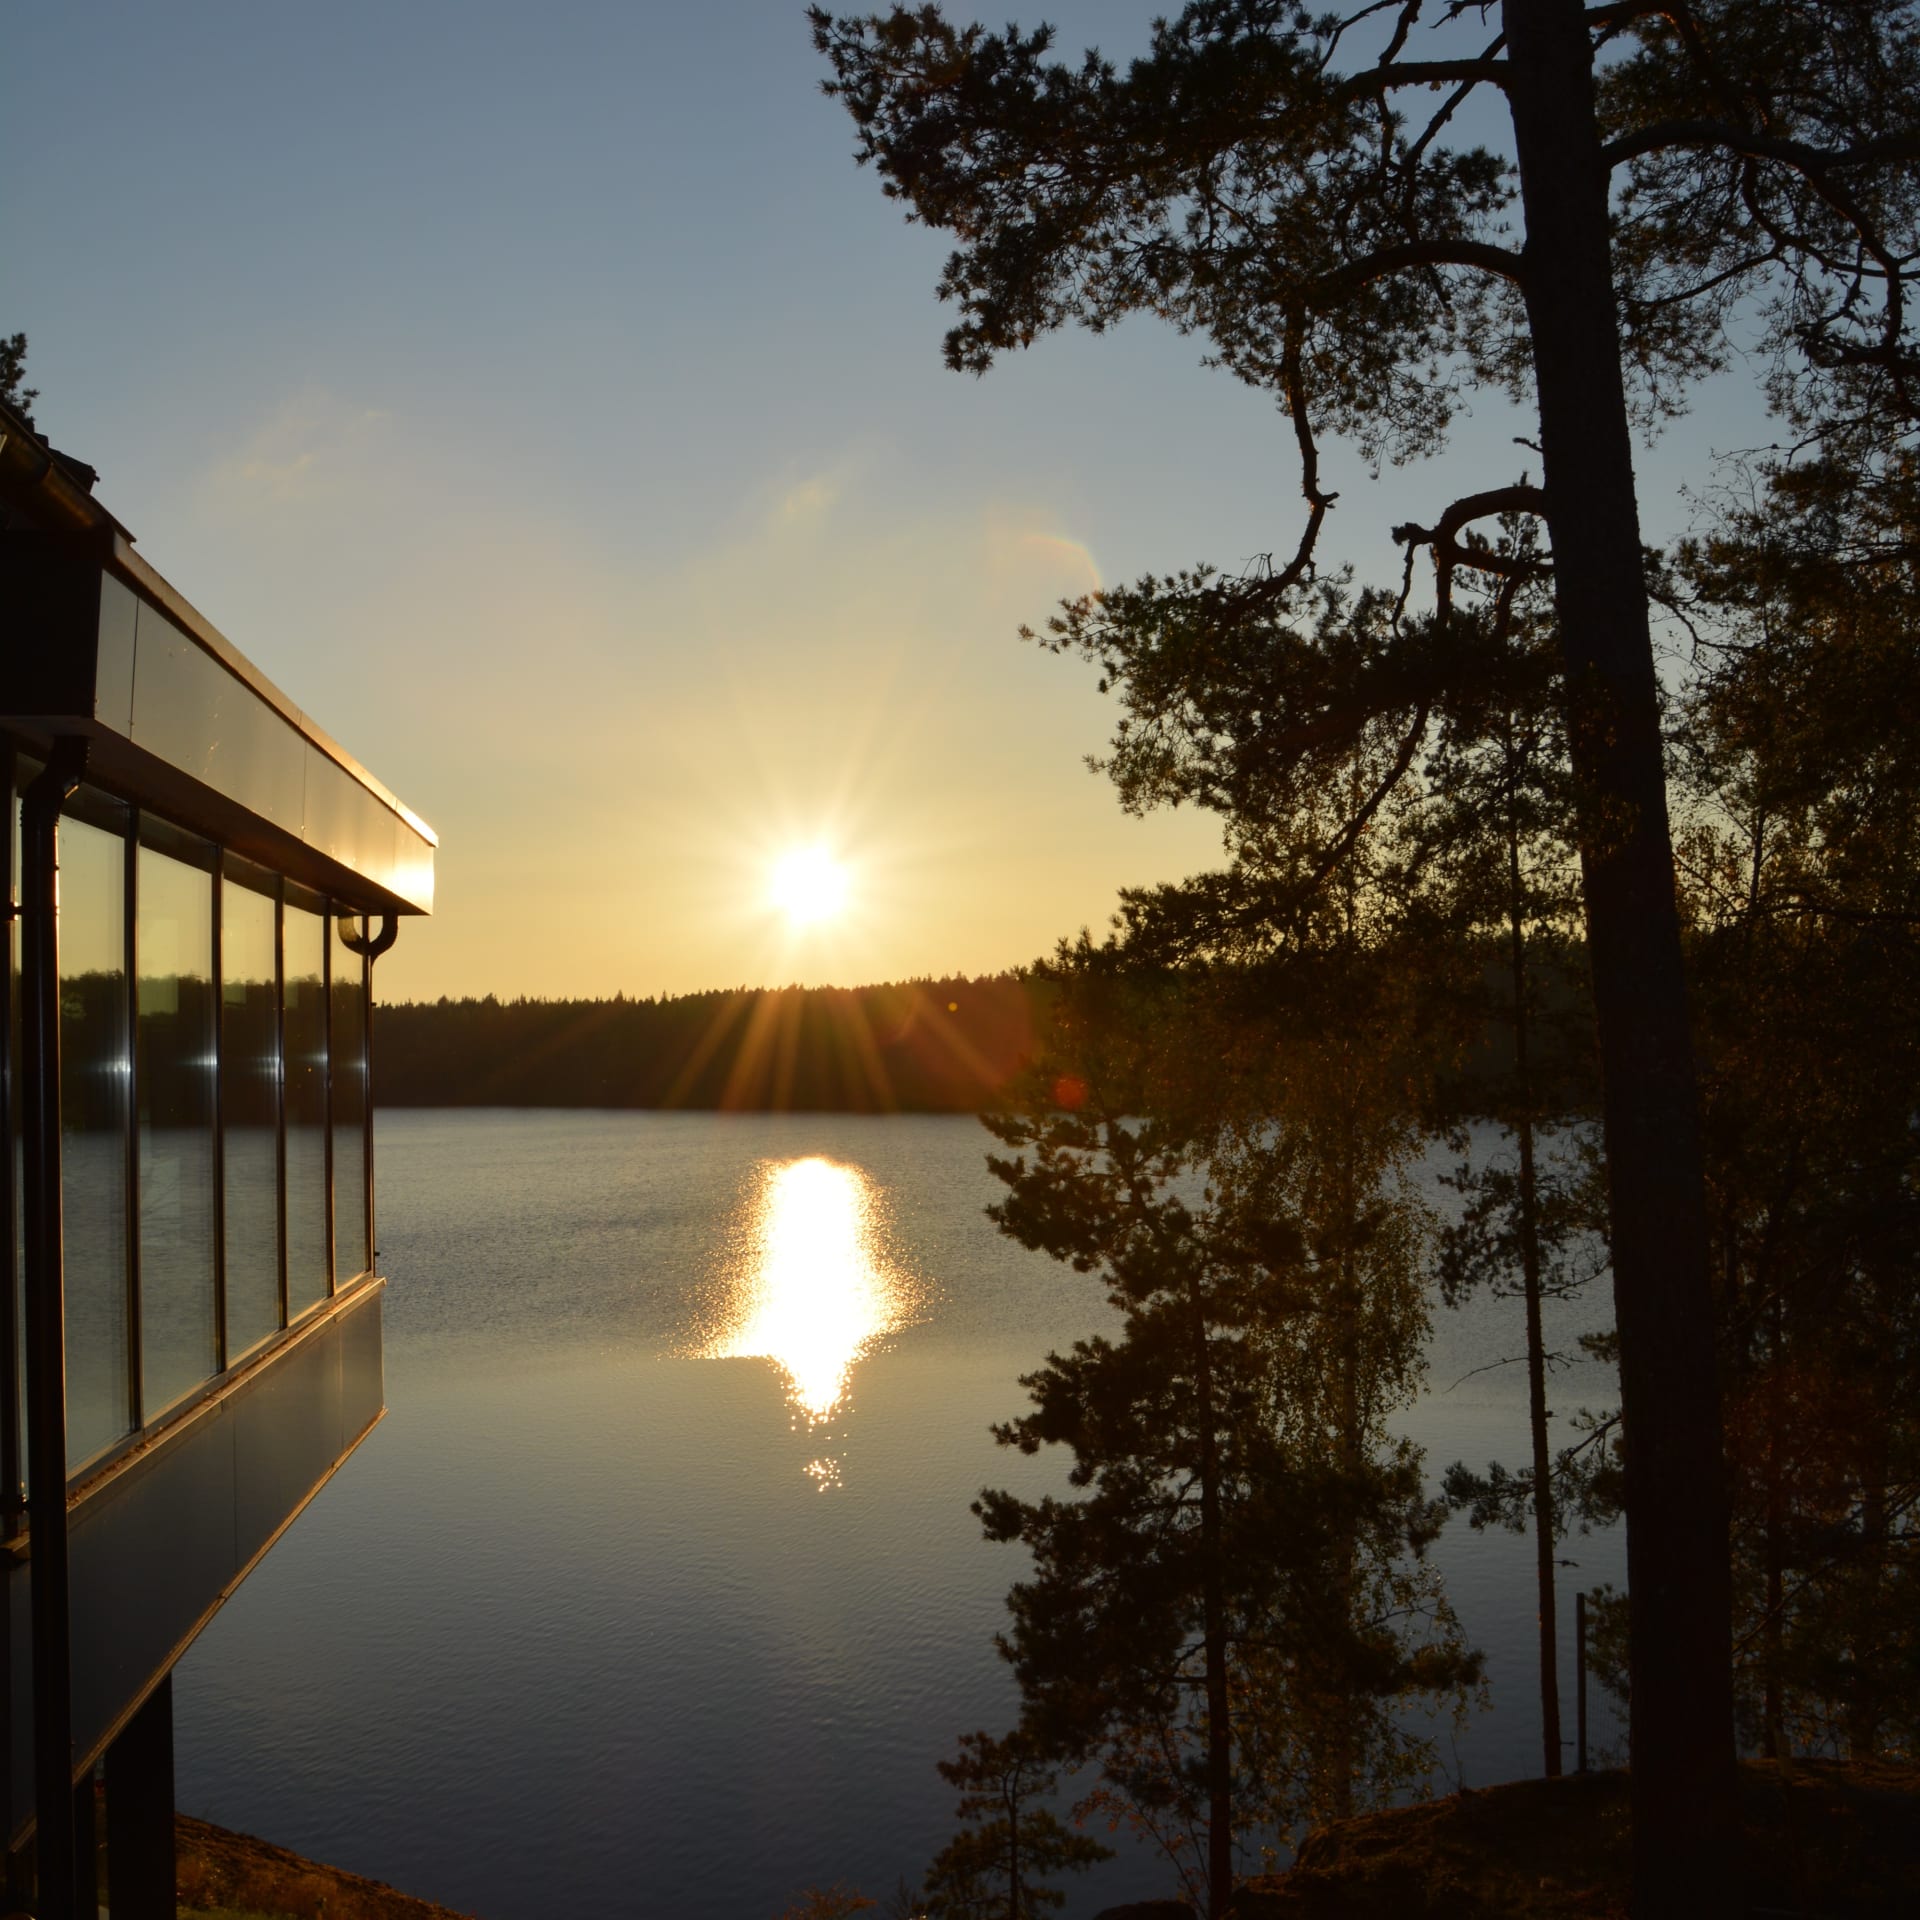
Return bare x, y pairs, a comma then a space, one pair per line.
1773, 1702
1545, 1528
1679, 1632
1214, 1630
1010, 1791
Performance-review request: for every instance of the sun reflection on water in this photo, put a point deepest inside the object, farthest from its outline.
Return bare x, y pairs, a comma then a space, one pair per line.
812, 1290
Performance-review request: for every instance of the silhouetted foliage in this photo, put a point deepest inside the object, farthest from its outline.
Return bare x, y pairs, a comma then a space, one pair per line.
998, 1867
836, 1902
13, 376
1224, 1619
1802, 751
924, 1046
1253, 178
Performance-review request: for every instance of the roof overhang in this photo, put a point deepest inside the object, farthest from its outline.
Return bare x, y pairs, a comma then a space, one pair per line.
177, 718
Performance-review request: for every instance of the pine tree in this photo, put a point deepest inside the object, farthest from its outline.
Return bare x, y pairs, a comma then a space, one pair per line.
13, 376
1254, 177
998, 1866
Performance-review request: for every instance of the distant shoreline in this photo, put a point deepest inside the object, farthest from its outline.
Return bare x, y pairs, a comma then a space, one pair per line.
922, 1046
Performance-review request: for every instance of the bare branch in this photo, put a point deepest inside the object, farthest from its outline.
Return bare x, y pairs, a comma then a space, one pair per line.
1814, 162
1452, 105
1471, 71
1477, 506
1349, 838
1502, 262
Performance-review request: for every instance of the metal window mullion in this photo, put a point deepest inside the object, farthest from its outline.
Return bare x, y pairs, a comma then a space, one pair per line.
280, 1080
131, 1003
48, 1571
217, 1013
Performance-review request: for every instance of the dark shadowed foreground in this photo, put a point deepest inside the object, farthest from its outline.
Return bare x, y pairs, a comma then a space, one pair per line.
1819, 1839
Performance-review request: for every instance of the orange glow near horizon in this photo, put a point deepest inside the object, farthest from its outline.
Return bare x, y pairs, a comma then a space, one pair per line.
813, 1290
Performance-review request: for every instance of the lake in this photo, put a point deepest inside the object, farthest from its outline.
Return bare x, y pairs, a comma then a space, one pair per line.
657, 1592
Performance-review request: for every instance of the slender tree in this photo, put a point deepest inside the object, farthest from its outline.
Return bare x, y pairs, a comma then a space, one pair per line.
1000, 1864
1254, 177
1498, 874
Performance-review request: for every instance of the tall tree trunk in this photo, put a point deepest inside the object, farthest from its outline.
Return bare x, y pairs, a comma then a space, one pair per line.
1773, 1703
1866, 1704
1344, 1745
1679, 1632
1016, 1905
1214, 1630
1545, 1528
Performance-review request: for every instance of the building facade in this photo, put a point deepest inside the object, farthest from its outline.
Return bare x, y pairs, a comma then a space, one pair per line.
198, 882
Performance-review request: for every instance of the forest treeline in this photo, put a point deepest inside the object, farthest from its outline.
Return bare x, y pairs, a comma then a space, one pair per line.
916, 1046
919, 1046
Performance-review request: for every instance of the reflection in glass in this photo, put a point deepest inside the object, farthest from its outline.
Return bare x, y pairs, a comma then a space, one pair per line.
250, 1114
350, 1252
195, 714
174, 1037
815, 1290
306, 1029
94, 1072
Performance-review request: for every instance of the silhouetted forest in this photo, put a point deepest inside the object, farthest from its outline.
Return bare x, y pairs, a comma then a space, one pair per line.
918, 1046
924, 1046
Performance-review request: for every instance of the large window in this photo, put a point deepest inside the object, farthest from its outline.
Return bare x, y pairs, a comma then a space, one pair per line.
174, 1087
304, 937
95, 1069
250, 1109
216, 1161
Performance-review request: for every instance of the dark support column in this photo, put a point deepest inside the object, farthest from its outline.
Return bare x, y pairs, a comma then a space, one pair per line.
86, 1847
20, 1878
140, 1865
47, 1332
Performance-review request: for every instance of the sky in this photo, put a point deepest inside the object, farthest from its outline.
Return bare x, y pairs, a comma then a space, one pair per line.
547, 403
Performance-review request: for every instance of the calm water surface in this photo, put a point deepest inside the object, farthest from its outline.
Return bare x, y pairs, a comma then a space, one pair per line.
656, 1593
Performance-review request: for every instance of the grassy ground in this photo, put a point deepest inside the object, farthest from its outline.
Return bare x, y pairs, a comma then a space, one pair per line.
1838, 1842
232, 1876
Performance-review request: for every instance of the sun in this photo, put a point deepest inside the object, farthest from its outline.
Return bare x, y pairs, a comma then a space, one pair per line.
808, 885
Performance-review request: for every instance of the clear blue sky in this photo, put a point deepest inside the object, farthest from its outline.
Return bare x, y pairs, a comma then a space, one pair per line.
545, 400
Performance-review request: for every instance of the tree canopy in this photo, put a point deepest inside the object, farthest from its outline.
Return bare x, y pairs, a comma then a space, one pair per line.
1293, 188
13, 376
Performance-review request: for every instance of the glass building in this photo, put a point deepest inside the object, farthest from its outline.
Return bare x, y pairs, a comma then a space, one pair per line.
198, 882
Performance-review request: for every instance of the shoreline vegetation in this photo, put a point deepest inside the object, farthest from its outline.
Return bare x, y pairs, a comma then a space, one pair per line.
1824, 1837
